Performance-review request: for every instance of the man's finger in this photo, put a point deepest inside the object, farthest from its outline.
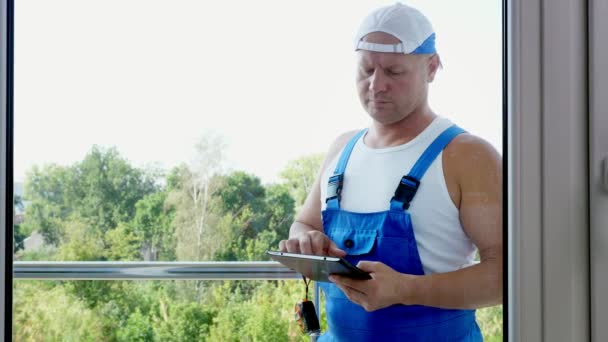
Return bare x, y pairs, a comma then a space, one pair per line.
293, 246
317, 242
368, 266
305, 244
334, 250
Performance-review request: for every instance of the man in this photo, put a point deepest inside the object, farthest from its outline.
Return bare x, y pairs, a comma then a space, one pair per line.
416, 234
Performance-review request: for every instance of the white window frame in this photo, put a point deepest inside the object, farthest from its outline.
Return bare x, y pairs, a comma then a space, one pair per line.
548, 173
598, 167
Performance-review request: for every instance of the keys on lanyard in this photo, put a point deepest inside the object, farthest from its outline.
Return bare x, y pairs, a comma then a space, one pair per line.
305, 314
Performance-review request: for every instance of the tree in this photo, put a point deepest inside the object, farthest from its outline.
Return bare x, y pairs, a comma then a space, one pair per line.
184, 321
36, 317
299, 176
280, 209
18, 234
152, 225
80, 242
122, 244
102, 189
194, 187
50, 192
108, 187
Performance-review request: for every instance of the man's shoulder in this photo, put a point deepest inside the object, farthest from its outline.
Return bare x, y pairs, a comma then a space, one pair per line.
341, 141
468, 155
467, 145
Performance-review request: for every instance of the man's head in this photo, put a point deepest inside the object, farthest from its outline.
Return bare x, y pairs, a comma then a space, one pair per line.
397, 60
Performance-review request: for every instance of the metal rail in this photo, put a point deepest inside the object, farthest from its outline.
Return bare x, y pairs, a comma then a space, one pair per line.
143, 270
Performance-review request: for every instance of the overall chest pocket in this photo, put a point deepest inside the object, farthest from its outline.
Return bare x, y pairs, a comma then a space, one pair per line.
355, 242
358, 245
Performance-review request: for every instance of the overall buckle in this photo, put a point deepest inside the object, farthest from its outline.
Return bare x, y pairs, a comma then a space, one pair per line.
334, 187
406, 190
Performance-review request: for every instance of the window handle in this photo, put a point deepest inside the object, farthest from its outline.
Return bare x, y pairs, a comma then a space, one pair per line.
605, 173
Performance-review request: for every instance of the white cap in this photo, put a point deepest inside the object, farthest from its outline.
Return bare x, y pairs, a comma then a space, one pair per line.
405, 23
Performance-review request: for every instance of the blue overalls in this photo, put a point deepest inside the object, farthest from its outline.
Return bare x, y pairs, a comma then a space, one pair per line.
387, 237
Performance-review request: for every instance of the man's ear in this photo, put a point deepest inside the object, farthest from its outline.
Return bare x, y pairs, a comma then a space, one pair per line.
433, 64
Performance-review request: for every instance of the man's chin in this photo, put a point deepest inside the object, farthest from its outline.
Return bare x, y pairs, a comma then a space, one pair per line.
383, 117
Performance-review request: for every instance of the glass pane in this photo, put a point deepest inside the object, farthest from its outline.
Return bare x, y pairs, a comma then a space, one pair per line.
171, 311
194, 131
156, 311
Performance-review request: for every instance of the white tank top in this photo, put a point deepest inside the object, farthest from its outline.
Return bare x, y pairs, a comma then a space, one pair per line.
370, 180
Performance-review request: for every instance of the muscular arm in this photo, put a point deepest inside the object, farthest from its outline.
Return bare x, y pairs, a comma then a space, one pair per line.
306, 234
477, 169
474, 175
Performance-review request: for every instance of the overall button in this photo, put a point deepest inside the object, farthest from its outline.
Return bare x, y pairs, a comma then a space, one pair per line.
348, 243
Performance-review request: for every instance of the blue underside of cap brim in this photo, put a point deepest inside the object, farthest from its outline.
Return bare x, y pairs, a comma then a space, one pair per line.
427, 47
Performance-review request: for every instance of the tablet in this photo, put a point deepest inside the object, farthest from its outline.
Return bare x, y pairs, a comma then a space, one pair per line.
317, 267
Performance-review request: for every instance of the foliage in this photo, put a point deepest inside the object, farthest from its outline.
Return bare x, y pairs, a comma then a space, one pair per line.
81, 242
122, 244
102, 189
47, 253
18, 233
138, 328
299, 176
184, 321
490, 323
151, 226
267, 315
43, 314
102, 208
49, 191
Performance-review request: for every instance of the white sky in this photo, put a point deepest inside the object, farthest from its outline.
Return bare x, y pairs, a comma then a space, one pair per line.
275, 78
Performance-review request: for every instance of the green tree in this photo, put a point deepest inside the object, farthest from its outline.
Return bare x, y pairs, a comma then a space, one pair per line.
49, 191
192, 189
280, 208
242, 196
152, 225
184, 321
108, 187
252, 217
299, 176
18, 234
265, 315
102, 189
122, 244
137, 328
80, 241
43, 313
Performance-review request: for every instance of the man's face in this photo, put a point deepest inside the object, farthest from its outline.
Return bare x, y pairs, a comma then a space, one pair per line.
392, 85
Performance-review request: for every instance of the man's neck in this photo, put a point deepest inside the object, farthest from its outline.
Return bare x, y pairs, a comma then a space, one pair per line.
398, 133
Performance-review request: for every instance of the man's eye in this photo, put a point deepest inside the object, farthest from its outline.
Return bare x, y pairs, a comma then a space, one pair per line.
395, 72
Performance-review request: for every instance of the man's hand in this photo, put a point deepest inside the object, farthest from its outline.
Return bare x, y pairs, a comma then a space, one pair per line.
311, 242
387, 286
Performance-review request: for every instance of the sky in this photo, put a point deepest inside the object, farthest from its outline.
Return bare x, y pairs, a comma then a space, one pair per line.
274, 78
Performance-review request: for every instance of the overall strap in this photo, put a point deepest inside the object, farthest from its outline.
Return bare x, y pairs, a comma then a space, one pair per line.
409, 184
334, 185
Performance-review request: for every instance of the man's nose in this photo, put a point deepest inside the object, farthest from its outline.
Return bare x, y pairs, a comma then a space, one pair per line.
378, 81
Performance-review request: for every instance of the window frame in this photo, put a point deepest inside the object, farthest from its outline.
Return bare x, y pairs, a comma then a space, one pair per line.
548, 188
545, 151
6, 163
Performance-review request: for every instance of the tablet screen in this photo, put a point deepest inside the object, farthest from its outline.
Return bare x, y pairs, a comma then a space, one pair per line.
317, 267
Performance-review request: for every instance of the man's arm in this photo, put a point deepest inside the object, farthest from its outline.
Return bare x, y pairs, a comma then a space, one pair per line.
306, 234
477, 169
